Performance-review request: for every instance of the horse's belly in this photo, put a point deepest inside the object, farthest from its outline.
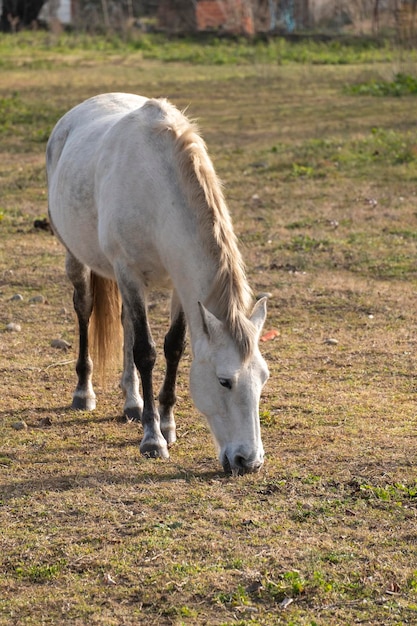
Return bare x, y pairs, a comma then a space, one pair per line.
144, 268
81, 241
155, 277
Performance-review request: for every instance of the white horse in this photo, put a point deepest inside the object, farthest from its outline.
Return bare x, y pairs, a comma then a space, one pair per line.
135, 200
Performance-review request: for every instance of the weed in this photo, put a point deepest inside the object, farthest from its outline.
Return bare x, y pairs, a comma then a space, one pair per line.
322, 582
186, 611
41, 573
412, 581
302, 171
267, 418
396, 492
290, 584
239, 597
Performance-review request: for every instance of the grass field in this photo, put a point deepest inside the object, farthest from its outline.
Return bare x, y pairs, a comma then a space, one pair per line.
321, 179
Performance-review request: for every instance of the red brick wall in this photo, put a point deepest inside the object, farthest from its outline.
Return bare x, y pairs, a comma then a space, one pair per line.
229, 15
210, 14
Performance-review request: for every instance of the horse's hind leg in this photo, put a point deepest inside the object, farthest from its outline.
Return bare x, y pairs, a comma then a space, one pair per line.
153, 443
84, 397
130, 382
174, 348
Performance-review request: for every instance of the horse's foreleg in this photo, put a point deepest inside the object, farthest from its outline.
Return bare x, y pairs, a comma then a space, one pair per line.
130, 380
84, 397
153, 443
173, 348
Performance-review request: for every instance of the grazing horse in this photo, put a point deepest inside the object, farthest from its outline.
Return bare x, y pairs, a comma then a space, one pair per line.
135, 200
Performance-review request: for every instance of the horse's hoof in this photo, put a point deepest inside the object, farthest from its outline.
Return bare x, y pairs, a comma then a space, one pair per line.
153, 450
133, 414
168, 426
150, 454
169, 434
81, 403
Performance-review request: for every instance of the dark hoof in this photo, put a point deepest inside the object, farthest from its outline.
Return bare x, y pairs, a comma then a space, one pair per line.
133, 414
150, 454
152, 450
83, 404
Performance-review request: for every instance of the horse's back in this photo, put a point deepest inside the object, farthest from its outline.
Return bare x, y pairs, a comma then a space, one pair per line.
73, 150
88, 119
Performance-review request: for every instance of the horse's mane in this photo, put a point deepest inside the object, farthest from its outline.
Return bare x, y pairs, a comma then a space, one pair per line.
230, 290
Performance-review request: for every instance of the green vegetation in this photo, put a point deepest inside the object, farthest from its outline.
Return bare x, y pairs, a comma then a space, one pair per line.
42, 50
21, 118
321, 183
401, 85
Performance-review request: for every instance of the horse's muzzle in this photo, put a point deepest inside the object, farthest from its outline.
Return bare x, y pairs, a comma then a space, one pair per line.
238, 464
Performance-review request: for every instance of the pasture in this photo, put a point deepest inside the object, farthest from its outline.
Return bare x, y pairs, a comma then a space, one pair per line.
321, 180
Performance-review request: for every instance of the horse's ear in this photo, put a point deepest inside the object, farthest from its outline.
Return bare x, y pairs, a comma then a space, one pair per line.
211, 325
258, 315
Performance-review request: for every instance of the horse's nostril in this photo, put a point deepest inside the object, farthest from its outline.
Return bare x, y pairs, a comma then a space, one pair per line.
244, 466
240, 464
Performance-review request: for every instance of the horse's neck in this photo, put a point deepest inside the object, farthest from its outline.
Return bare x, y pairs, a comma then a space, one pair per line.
193, 280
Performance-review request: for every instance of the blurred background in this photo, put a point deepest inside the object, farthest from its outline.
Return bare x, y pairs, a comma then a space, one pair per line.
394, 18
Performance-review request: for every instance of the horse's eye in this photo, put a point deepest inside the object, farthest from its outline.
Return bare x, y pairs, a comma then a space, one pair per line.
225, 382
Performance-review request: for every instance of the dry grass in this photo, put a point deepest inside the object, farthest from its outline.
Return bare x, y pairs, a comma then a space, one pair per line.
325, 209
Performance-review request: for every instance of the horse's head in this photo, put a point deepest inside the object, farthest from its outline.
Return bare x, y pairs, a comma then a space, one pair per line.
226, 389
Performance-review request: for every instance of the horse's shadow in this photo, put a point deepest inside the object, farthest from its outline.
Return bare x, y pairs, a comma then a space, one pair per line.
68, 481
83, 417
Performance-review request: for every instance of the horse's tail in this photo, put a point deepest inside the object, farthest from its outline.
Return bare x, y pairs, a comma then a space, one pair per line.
105, 325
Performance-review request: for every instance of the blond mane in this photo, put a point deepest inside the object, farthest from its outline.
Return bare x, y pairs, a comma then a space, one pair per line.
230, 290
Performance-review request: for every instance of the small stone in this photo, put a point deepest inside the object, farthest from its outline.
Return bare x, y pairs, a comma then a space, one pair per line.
45, 421
12, 327
264, 294
60, 344
16, 298
37, 300
21, 425
331, 342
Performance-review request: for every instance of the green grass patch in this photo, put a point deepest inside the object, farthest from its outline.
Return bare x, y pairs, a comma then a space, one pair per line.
397, 492
400, 85
34, 50
39, 573
22, 118
316, 159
